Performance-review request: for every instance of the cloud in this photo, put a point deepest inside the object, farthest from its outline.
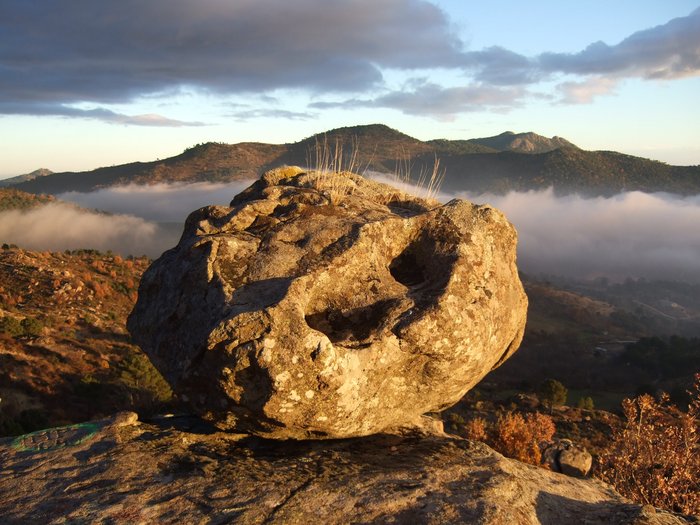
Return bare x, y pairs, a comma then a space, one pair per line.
157, 202
666, 51
272, 113
59, 53
631, 234
59, 226
584, 92
500, 76
502, 67
144, 220
439, 102
104, 115
68, 51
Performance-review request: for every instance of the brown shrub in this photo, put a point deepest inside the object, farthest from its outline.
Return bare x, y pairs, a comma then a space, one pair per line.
519, 437
101, 289
98, 266
475, 429
654, 457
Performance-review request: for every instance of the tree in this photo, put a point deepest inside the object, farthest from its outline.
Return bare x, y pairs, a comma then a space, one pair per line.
552, 393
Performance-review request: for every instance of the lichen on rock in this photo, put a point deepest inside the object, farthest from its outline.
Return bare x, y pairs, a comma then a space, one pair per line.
323, 305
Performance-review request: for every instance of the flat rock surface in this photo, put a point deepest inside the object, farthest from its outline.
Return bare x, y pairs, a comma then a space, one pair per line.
179, 470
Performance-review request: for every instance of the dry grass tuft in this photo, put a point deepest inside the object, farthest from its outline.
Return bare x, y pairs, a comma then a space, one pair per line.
426, 185
331, 162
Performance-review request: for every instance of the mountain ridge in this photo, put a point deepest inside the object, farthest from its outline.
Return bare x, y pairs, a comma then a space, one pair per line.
41, 172
525, 161
527, 142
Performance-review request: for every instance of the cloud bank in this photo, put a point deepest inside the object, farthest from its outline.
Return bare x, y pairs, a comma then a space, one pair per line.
58, 53
632, 234
158, 202
146, 220
59, 226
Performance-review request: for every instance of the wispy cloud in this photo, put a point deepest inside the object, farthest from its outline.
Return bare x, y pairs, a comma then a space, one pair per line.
157, 202
586, 91
102, 114
628, 235
632, 234
249, 114
439, 102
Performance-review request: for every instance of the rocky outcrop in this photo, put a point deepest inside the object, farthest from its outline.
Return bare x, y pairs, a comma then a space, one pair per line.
566, 457
326, 305
178, 470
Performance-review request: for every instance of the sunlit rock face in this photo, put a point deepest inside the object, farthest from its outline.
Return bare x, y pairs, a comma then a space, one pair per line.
328, 306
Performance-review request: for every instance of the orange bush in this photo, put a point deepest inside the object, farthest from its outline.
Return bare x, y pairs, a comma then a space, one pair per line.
655, 456
519, 437
475, 429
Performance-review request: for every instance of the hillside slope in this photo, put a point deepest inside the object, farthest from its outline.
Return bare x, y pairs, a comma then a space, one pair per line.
65, 355
495, 164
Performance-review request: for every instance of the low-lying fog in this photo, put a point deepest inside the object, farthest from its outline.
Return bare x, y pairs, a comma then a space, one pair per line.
629, 235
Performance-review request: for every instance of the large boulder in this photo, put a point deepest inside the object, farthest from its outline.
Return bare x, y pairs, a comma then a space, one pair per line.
327, 305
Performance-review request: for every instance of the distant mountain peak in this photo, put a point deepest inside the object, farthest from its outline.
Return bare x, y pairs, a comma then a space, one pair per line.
41, 172
528, 142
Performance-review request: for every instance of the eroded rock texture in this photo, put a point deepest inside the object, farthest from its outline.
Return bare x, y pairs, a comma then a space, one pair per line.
175, 470
326, 306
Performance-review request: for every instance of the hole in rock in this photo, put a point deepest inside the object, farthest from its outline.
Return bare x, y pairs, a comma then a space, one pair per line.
406, 269
356, 324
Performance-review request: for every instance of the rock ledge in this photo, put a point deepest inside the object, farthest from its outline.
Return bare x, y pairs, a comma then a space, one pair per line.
180, 470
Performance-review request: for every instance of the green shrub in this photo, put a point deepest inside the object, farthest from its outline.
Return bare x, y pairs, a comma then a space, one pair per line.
586, 403
11, 326
32, 327
146, 386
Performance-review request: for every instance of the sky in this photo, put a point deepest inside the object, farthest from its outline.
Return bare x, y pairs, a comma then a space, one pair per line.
85, 84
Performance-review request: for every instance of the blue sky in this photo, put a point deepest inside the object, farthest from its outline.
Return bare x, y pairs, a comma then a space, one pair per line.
86, 84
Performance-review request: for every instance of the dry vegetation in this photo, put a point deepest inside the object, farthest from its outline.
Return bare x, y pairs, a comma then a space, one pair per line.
515, 435
326, 159
65, 355
651, 454
654, 457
